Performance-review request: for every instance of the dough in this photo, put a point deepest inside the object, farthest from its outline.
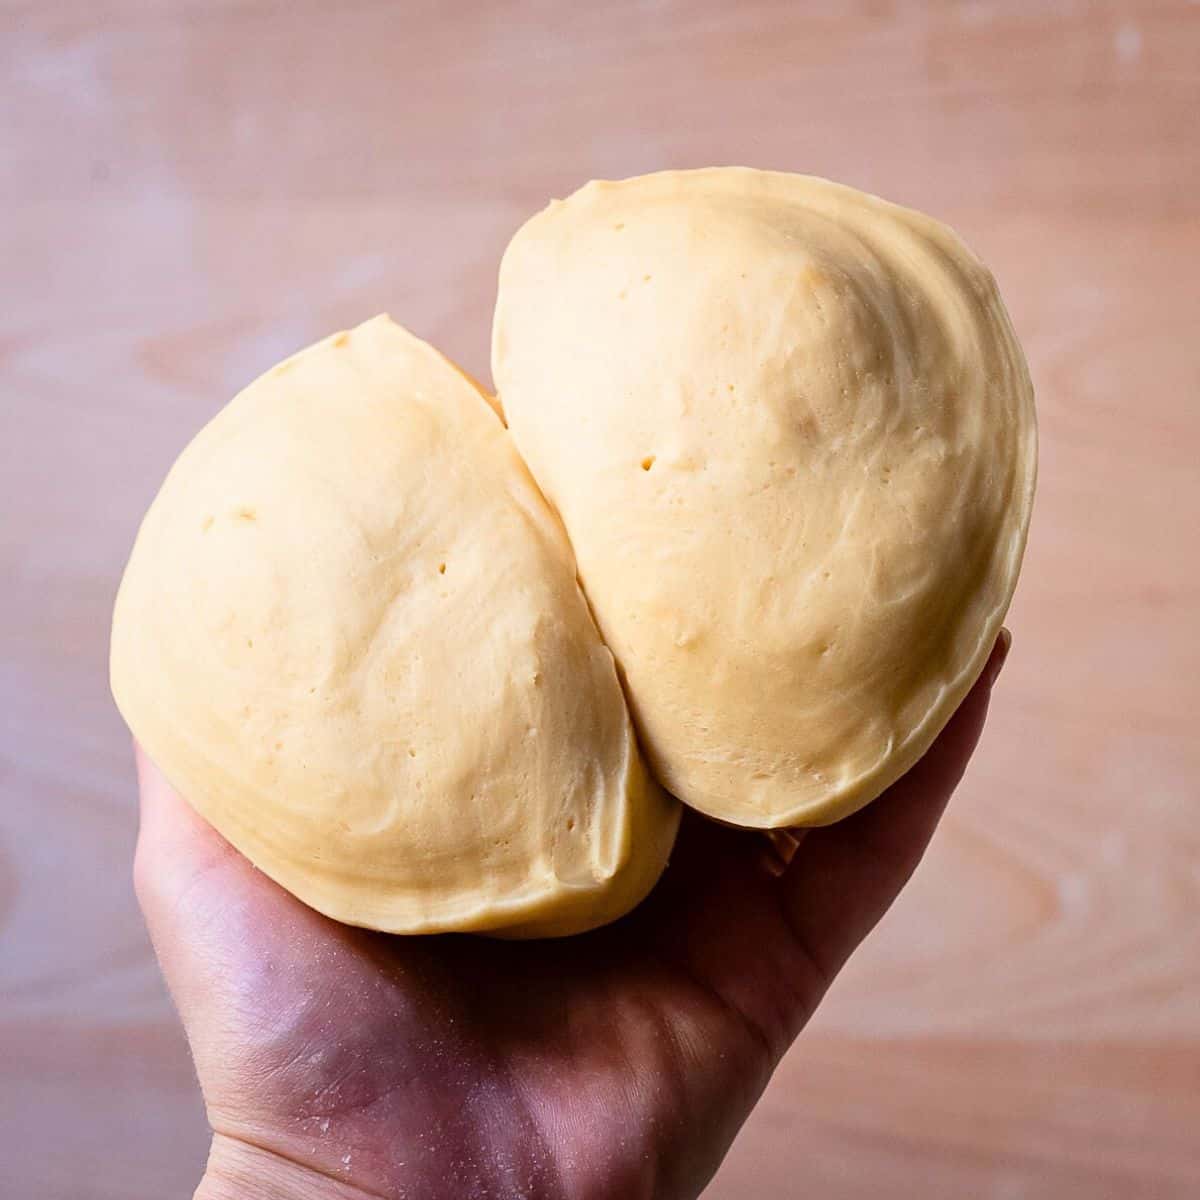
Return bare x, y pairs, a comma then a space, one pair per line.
791, 436
351, 635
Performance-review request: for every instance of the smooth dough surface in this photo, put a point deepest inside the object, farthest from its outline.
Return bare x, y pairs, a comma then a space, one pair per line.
791, 435
351, 635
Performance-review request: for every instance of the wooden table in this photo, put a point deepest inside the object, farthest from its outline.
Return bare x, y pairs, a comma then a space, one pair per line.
192, 190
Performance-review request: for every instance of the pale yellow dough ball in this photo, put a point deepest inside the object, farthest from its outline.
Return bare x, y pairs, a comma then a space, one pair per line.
791, 436
350, 634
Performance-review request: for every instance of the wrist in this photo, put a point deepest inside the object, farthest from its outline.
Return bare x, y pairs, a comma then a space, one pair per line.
237, 1170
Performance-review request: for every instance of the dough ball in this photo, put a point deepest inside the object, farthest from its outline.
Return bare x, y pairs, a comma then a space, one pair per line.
790, 433
350, 634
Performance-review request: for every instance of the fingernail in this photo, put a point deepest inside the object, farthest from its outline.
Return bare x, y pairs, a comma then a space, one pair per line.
999, 656
781, 848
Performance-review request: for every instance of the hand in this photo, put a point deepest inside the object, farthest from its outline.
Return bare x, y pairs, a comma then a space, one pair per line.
341, 1063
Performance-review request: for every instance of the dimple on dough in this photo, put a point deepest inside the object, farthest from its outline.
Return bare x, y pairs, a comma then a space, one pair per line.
350, 633
791, 435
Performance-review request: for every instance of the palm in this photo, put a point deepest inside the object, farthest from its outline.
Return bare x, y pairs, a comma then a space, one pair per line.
621, 1062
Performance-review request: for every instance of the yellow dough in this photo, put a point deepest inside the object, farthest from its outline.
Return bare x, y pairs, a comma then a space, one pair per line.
351, 635
791, 436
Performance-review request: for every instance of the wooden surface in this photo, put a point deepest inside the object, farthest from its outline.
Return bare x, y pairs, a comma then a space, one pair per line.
191, 190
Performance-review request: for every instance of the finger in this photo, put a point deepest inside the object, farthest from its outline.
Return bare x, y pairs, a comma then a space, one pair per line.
780, 849
177, 870
181, 864
844, 877
175, 844
206, 907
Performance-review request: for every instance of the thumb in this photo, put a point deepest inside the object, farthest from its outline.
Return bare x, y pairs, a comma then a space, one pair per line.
176, 847
206, 907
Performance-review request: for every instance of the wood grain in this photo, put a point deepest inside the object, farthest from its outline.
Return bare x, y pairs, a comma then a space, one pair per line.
191, 190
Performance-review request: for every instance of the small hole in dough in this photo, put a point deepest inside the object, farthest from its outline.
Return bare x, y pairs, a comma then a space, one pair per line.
570, 824
648, 462
441, 568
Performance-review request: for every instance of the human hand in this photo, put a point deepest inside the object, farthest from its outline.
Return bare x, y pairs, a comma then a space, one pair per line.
341, 1063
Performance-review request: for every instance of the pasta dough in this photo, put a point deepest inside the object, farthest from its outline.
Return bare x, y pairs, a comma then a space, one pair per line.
351, 635
791, 435
771, 444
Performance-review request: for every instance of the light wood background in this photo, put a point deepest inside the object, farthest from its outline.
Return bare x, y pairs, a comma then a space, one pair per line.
191, 190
